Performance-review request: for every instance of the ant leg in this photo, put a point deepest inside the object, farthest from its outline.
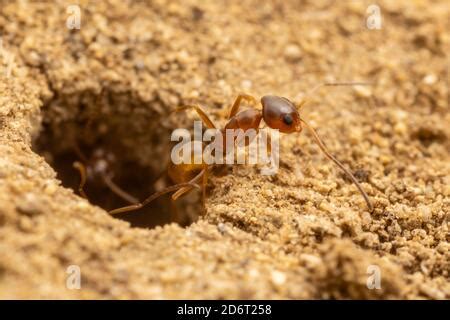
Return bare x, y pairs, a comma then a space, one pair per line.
82, 170
186, 189
201, 113
156, 195
237, 103
339, 164
151, 198
118, 190
181, 192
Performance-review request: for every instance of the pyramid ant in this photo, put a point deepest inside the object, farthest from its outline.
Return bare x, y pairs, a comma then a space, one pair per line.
277, 112
98, 166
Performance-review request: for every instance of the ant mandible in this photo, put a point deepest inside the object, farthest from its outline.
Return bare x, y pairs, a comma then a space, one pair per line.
277, 112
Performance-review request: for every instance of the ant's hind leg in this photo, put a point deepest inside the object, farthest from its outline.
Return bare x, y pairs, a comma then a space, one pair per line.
202, 175
151, 198
180, 193
201, 113
237, 103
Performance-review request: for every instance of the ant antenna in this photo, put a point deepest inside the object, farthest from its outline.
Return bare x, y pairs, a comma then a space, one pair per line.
339, 164
336, 84
329, 84
82, 170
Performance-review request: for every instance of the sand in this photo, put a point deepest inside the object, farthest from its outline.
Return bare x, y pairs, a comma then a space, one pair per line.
304, 233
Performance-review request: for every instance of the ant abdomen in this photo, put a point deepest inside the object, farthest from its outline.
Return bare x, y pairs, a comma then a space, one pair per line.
184, 167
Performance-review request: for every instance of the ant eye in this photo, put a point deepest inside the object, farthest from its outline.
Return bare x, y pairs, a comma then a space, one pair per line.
287, 119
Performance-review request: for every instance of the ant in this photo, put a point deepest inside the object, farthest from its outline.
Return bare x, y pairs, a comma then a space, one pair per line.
277, 112
99, 163
98, 166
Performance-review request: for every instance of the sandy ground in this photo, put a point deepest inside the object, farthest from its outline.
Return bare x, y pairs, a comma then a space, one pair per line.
304, 233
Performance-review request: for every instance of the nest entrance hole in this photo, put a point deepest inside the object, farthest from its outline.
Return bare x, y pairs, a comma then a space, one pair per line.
113, 138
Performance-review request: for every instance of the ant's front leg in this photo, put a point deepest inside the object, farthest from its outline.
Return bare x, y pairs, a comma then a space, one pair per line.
237, 103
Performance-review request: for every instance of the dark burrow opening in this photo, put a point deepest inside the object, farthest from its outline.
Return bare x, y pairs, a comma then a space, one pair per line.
122, 144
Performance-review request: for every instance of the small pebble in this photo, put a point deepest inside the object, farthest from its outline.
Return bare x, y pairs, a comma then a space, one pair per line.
430, 79
363, 91
30, 205
246, 84
293, 53
400, 128
278, 277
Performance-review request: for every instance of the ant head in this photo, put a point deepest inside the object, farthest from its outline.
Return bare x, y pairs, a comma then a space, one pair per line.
280, 113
